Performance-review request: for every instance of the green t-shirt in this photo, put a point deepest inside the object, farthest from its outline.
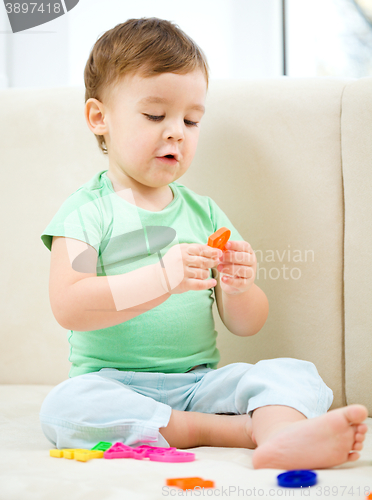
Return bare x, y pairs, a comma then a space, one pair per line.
172, 337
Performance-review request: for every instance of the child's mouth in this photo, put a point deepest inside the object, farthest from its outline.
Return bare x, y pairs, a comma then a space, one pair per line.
167, 159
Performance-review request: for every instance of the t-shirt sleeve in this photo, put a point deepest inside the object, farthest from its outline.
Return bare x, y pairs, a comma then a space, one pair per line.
79, 217
220, 219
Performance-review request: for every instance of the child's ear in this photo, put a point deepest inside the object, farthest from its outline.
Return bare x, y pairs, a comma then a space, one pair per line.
95, 116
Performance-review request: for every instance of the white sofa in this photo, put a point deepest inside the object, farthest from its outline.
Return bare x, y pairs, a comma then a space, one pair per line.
290, 162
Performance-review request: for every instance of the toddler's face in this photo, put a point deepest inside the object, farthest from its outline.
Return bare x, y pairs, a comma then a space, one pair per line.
148, 118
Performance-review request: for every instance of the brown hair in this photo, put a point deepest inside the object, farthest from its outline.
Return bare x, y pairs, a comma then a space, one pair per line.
148, 45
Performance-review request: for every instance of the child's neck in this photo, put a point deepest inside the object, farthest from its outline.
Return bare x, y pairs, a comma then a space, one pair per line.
152, 199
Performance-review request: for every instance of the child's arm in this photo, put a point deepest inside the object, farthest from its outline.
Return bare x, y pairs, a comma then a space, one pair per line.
244, 314
242, 305
83, 301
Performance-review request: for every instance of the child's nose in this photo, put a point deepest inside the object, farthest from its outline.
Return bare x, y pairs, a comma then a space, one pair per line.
175, 130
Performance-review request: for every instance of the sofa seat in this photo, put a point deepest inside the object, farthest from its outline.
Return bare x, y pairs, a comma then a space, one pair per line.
28, 472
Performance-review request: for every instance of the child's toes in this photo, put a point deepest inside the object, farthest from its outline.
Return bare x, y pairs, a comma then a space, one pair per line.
353, 456
358, 446
362, 429
355, 413
359, 437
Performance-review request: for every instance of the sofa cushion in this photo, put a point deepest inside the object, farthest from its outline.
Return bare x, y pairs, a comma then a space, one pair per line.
357, 174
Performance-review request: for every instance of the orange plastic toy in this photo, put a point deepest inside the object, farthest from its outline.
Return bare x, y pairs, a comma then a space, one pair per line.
369, 497
189, 483
219, 238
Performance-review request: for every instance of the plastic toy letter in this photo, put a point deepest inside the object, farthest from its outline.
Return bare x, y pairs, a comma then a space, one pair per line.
120, 450
156, 247
190, 483
219, 238
81, 455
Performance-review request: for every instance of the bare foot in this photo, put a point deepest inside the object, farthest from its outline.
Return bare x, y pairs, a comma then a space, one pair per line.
316, 443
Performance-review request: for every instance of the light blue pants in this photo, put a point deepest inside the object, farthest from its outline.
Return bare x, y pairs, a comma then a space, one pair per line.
113, 405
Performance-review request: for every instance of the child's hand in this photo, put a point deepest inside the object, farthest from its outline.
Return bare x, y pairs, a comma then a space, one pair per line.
239, 261
187, 267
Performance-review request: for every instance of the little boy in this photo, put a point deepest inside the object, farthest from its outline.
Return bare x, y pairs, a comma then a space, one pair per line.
131, 279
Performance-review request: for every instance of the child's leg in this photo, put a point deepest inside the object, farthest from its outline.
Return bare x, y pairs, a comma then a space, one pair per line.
99, 406
268, 420
287, 440
290, 422
187, 429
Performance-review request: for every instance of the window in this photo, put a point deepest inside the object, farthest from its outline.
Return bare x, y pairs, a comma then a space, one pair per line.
329, 38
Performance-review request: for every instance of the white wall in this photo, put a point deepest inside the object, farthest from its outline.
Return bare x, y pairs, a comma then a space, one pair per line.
241, 38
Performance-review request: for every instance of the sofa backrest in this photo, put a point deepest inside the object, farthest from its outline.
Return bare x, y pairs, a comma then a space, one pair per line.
288, 160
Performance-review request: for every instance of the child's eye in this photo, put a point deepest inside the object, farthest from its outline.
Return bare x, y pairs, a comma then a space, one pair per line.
158, 118
154, 118
192, 124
